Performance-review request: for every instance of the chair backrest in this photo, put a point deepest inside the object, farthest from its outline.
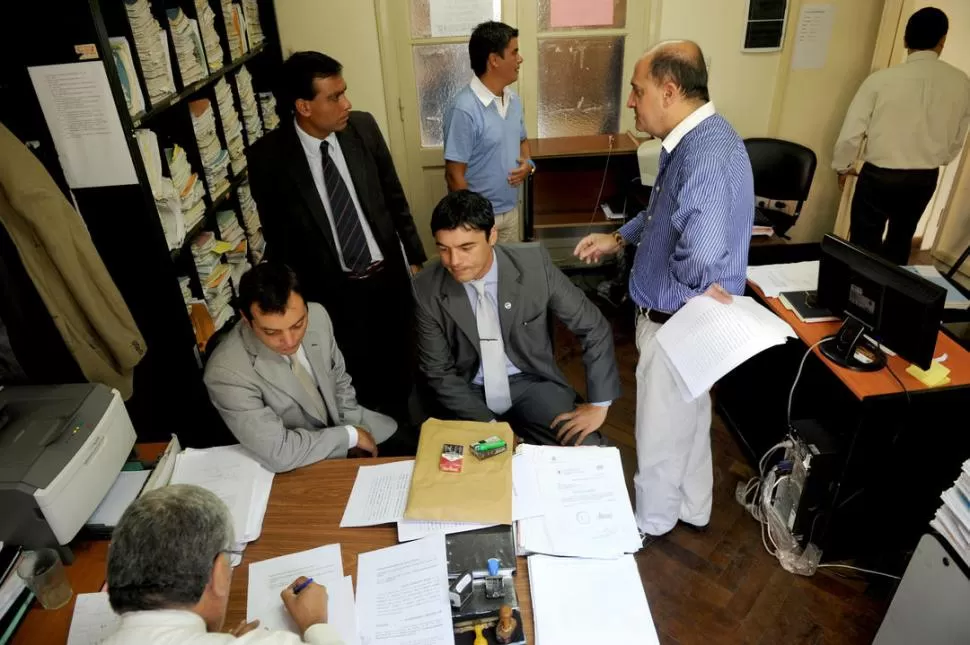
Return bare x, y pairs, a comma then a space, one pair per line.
782, 170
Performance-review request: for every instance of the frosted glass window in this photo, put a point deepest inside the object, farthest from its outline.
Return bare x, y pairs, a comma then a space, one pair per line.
580, 86
421, 14
440, 72
560, 15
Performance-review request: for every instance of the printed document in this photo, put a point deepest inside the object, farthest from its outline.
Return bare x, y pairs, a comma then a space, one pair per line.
379, 495
93, 619
402, 594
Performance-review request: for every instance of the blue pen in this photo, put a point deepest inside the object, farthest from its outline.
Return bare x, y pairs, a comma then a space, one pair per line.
303, 585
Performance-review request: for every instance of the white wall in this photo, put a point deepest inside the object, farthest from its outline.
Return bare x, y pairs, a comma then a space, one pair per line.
742, 85
346, 30
810, 104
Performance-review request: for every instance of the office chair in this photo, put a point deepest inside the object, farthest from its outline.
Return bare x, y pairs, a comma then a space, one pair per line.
783, 171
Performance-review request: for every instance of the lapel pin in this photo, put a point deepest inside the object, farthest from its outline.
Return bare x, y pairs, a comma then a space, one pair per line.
508, 305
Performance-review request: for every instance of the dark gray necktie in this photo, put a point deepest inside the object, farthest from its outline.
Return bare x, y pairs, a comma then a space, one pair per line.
350, 232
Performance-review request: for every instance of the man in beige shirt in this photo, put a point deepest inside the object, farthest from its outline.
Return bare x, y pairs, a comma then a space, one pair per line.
913, 118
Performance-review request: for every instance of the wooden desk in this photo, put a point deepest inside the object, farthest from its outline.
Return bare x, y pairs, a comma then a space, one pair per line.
864, 384
894, 450
304, 512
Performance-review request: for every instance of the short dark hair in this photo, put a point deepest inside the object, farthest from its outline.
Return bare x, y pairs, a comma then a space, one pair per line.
687, 71
926, 28
297, 74
463, 209
489, 38
268, 285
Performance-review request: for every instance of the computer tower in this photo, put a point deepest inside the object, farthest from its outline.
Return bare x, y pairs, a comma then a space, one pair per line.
816, 463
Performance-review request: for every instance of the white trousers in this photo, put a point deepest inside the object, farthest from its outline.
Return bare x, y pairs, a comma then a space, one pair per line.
507, 225
675, 478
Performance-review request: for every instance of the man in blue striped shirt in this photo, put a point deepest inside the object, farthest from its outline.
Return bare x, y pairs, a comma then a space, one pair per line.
692, 240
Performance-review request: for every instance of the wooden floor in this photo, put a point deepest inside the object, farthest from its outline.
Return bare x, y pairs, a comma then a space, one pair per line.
720, 586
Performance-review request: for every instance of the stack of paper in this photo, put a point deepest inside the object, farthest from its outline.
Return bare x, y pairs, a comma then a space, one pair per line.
168, 202
121, 53
187, 296
231, 127
15, 598
267, 105
254, 29
236, 478
215, 159
589, 601
254, 230
207, 253
210, 38
229, 228
773, 279
188, 46
93, 621
152, 46
235, 28
269, 577
705, 340
954, 297
952, 520
247, 101
190, 189
585, 506
122, 493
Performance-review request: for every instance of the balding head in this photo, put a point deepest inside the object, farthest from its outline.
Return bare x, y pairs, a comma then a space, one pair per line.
669, 82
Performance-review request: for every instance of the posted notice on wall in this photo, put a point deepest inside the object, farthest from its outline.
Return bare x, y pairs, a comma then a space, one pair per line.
459, 17
812, 36
83, 120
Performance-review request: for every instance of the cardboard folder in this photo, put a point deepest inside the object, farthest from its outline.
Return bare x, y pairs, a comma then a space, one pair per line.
481, 492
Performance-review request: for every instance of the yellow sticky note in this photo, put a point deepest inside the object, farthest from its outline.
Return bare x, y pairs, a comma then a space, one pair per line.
933, 377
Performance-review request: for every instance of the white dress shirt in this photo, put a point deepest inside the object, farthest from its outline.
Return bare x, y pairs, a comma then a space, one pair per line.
305, 362
693, 120
914, 116
180, 627
491, 287
486, 97
314, 157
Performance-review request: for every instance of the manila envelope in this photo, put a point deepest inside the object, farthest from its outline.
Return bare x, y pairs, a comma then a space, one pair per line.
481, 492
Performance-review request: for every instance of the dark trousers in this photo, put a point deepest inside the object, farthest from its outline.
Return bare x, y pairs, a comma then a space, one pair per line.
896, 196
535, 403
373, 326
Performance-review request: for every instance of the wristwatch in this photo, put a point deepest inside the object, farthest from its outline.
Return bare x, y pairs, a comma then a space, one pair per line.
533, 164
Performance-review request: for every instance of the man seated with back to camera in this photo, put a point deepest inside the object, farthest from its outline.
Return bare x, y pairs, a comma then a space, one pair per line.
279, 381
169, 575
484, 342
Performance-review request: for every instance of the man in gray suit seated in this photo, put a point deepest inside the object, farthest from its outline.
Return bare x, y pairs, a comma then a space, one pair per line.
484, 341
278, 379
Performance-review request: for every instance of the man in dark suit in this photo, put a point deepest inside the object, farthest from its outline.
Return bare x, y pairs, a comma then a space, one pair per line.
484, 334
333, 209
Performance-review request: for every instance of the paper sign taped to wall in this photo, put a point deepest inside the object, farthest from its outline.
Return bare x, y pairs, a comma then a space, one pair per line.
459, 17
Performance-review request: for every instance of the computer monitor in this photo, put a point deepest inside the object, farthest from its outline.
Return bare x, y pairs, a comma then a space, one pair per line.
896, 307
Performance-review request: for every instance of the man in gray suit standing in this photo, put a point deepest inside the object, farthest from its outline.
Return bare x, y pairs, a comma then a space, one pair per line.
279, 382
484, 342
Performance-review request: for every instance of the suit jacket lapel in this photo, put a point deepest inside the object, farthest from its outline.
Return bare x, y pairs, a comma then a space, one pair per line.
316, 351
275, 370
299, 170
509, 284
454, 300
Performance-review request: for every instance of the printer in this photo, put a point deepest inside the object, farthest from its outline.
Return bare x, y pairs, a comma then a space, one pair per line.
61, 449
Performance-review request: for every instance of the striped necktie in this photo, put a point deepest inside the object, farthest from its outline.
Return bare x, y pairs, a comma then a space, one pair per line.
350, 232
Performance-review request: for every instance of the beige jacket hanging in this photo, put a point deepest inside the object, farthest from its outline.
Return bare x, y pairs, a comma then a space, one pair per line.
60, 258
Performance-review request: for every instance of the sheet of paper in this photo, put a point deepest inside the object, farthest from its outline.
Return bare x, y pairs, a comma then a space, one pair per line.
526, 498
162, 474
587, 507
269, 577
705, 339
460, 17
402, 594
122, 493
408, 530
774, 279
80, 112
608, 593
580, 13
812, 37
379, 495
93, 619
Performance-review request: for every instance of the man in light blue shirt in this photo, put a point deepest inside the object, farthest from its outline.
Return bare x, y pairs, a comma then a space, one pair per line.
692, 241
486, 149
484, 322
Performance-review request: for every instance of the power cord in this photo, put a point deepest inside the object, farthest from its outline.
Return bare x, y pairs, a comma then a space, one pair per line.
599, 196
849, 566
801, 366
